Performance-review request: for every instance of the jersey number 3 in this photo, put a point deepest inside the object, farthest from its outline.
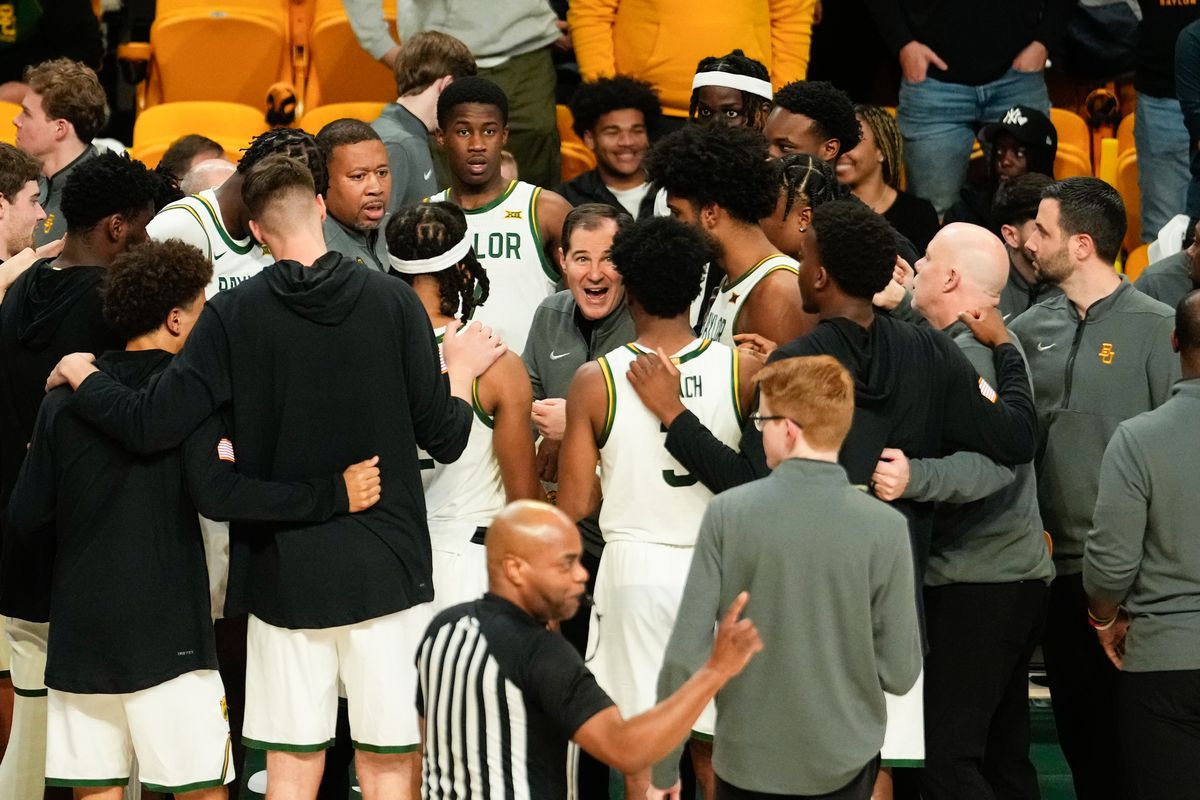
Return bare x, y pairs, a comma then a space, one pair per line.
673, 478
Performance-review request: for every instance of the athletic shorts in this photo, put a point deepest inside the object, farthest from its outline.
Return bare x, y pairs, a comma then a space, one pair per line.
27, 656
177, 730
5, 655
638, 590
292, 678
459, 563
904, 737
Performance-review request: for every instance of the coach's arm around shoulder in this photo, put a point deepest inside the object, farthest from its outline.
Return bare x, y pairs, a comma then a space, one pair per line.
632, 745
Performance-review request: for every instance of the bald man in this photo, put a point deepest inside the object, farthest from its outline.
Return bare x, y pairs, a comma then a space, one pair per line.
501, 695
208, 174
989, 567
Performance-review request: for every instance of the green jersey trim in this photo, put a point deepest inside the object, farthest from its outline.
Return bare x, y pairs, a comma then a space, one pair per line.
677, 360
200, 222
610, 390
240, 249
736, 385
726, 285
477, 406
535, 232
512, 185
737, 315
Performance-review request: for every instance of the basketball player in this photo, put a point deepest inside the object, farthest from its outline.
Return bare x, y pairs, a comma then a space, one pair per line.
718, 179
217, 221
430, 250
732, 89
652, 506
515, 226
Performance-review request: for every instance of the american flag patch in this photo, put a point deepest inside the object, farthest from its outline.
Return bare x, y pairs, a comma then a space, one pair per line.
225, 451
986, 390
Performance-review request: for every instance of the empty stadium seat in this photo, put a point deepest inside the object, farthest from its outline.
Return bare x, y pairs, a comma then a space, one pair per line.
576, 160
1137, 260
565, 120
339, 70
319, 117
227, 50
1074, 158
231, 124
1118, 166
8, 131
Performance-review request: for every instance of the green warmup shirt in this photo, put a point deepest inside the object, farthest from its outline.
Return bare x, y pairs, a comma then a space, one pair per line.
1144, 550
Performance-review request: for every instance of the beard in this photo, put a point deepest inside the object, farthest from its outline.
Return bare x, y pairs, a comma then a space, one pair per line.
1053, 268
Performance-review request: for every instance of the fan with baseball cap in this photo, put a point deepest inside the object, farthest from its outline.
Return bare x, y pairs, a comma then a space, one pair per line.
1031, 129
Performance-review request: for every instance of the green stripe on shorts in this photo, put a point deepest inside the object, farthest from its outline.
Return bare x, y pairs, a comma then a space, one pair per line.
377, 748
69, 783
17, 690
287, 748
702, 737
915, 763
187, 787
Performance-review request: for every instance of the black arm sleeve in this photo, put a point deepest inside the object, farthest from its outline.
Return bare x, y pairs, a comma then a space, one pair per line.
1004, 430
562, 686
220, 493
716, 464
34, 497
160, 416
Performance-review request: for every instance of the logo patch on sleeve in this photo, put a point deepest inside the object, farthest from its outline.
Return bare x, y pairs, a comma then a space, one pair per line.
225, 451
986, 390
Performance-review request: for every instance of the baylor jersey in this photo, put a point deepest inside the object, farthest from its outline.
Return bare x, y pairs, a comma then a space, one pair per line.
197, 221
508, 245
648, 495
470, 490
721, 322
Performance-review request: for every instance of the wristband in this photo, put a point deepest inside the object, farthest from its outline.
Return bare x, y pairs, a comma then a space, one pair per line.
1102, 624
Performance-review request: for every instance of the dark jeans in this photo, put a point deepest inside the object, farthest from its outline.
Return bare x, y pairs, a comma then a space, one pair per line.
593, 775
857, 789
1160, 720
1083, 690
981, 637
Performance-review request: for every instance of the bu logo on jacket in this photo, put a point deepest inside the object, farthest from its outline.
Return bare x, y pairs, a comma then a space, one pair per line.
1107, 354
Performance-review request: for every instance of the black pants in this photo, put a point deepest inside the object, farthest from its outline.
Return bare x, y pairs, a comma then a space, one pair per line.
1160, 722
858, 789
593, 775
1083, 690
981, 637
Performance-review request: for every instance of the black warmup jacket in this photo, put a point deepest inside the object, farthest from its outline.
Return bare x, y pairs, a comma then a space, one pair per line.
46, 314
129, 600
322, 367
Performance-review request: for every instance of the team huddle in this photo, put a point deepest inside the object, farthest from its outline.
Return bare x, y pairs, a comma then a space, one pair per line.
699, 452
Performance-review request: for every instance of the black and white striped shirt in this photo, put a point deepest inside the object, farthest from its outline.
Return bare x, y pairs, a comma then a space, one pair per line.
501, 697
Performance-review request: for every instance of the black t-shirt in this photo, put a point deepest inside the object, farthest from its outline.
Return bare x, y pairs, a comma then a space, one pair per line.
914, 218
501, 696
1162, 20
129, 597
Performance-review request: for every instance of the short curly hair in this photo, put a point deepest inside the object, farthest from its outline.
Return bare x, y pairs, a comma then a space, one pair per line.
471, 89
661, 261
103, 185
717, 164
426, 230
145, 282
857, 246
594, 99
70, 90
291, 142
827, 106
17, 168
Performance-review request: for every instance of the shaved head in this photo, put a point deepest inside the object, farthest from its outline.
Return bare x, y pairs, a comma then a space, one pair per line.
208, 174
533, 555
965, 267
979, 253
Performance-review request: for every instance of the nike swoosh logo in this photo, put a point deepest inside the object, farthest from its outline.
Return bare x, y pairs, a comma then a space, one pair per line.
427, 174
1006, 316
1044, 347
217, 257
556, 356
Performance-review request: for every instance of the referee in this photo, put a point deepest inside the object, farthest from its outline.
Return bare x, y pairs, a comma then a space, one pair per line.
491, 674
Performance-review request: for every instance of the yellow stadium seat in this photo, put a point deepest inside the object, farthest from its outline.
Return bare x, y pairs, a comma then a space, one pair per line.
565, 120
319, 117
1125, 135
227, 50
8, 131
231, 124
1127, 186
1137, 260
339, 70
1074, 158
576, 160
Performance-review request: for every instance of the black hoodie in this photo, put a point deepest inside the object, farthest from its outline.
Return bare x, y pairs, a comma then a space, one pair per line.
321, 366
46, 314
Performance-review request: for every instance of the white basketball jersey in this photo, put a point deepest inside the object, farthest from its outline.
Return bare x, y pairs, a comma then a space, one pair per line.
721, 322
197, 221
648, 495
508, 245
470, 490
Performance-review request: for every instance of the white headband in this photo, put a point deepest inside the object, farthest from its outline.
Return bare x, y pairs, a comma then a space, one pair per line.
743, 83
422, 266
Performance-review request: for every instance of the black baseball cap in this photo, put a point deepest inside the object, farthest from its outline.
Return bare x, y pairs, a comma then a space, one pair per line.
1027, 125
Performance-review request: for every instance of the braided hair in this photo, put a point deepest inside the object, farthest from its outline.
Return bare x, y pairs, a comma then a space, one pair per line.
291, 142
807, 181
887, 139
738, 63
430, 229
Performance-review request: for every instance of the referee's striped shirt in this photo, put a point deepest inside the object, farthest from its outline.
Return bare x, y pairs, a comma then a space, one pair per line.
500, 697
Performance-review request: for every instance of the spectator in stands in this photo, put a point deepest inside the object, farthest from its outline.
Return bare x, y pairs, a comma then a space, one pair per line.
659, 41
186, 152
732, 89
360, 183
615, 117
1087, 379
964, 63
37, 32
62, 112
812, 117
511, 44
873, 169
424, 65
1159, 132
1171, 279
207, 175
1024, 140
1141, 552
1187, 90
1014, 212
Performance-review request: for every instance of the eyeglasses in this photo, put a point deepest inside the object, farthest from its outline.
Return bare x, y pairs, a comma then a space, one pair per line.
759, 420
